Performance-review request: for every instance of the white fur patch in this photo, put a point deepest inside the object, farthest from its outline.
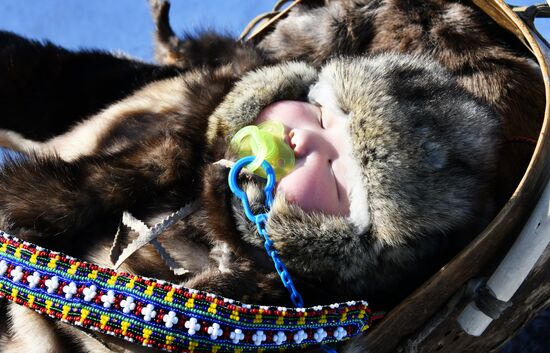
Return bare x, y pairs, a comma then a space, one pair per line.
25, 324
13, 140
221, 253
359, 215
323, 94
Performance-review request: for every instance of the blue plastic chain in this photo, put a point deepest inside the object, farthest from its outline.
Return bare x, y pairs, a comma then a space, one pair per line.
260, 220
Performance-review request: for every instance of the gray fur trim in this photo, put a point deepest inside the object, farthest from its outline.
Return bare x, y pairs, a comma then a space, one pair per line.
257, 90
425, 146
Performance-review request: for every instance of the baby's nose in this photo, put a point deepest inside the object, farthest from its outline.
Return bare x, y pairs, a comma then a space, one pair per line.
302, 142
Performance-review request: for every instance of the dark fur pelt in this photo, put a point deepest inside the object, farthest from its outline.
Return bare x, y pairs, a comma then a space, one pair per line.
212, 49
54, 87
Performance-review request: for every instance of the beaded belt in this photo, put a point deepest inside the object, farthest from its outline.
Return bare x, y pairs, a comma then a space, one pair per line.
160, 314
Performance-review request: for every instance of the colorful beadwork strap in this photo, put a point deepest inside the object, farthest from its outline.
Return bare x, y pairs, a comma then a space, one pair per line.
160, 314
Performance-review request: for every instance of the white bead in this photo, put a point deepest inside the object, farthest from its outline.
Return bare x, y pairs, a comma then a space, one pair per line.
108, 299
3, 267
33, 279
89, 293
300, 336
236, 335
339, 333
127, 304
215, 331
17, 274
320, 335
52, 284
148, 312
192, 326
70, 290
259, 337
170, 319
279, 338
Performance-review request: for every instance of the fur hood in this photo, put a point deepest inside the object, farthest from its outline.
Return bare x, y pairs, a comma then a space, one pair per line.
425, 150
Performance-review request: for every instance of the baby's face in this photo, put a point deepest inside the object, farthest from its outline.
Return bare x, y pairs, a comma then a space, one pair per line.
322, 149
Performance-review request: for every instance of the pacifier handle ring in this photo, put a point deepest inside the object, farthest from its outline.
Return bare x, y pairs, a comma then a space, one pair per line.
236, 189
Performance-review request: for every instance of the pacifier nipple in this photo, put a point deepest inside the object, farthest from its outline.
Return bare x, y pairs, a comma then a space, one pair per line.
265, 142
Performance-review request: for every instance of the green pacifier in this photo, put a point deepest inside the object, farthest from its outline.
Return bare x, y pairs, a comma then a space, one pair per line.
265, 142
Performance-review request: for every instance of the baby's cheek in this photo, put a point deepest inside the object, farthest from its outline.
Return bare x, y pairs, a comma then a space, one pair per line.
292, 190
310, 191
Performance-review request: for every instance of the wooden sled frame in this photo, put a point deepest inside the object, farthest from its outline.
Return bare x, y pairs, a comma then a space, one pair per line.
426, 321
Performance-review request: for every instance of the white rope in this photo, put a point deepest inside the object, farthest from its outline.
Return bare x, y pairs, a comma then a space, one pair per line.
148, 235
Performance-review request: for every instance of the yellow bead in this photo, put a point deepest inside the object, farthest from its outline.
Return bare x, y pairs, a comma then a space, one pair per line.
149, 290
131, 283
17, 252
84, 314
112, 280
31, 299
52, 263
124, 326
93, 274
103, 320
147, 333
73, 268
